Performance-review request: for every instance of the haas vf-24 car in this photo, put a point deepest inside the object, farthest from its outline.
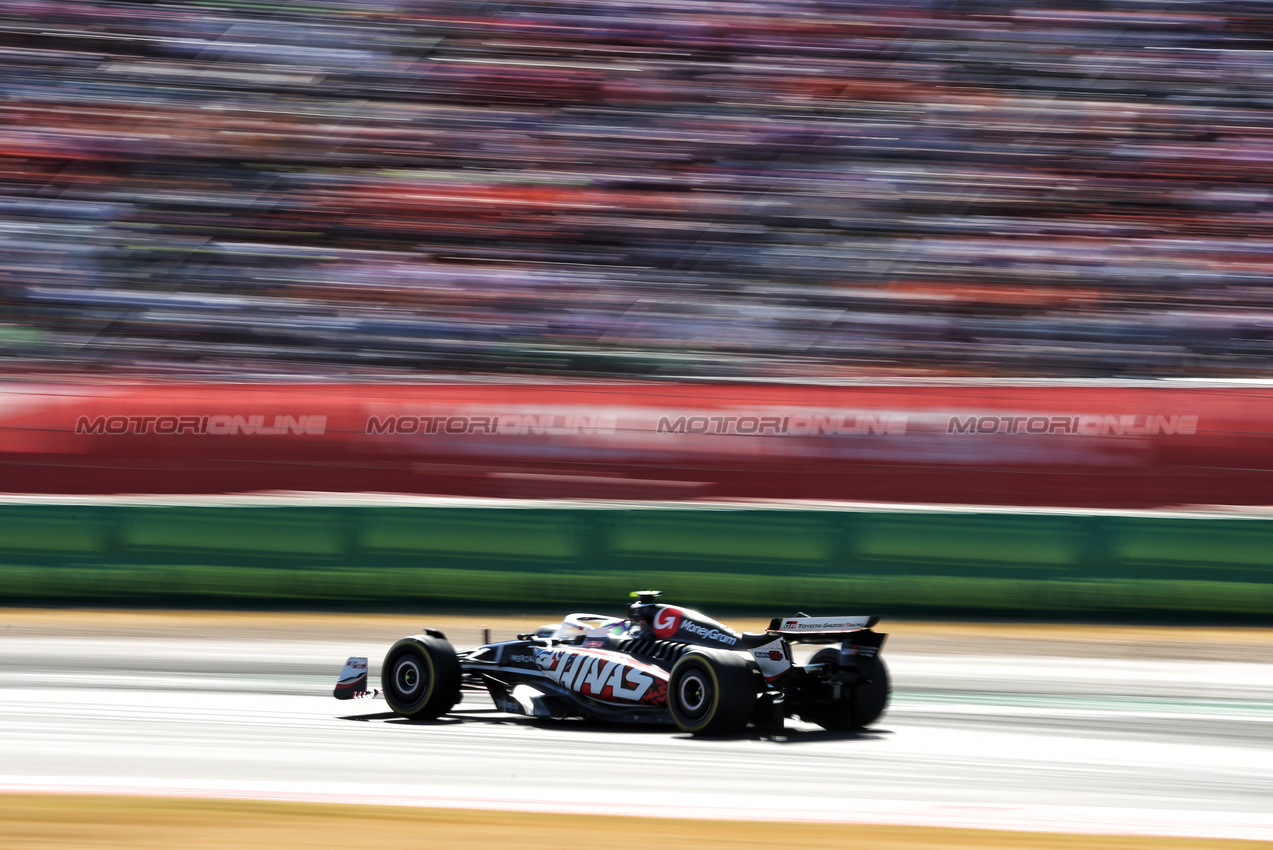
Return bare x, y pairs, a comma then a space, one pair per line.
660, 664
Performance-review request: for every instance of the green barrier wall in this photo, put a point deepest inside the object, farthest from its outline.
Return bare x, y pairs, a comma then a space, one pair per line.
765, 559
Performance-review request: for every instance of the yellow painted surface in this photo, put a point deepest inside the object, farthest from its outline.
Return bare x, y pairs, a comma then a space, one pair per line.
50, 822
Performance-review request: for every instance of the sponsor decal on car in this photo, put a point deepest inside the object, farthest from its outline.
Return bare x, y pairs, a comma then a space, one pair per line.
814, 624
708, 633
667, 621
771, 660
603, 675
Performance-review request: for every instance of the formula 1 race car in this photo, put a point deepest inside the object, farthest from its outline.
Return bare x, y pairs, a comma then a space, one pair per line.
660, 664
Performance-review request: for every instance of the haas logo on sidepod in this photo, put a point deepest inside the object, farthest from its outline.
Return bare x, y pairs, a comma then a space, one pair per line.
602, 676
666, 622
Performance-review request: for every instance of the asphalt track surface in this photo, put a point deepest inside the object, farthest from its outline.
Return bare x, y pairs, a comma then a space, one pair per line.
1040, 735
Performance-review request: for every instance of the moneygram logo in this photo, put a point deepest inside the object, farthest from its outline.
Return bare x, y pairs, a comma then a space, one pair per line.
666, 622
708, 633
220, 424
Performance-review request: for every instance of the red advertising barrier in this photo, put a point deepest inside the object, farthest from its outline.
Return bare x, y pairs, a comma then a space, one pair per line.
1064, 445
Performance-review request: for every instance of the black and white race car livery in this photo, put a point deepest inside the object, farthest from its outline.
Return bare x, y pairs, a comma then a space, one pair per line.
660, 664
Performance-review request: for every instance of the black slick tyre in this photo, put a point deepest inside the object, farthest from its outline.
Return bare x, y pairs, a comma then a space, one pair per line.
421, 677
712, 693
865, 700
870, 696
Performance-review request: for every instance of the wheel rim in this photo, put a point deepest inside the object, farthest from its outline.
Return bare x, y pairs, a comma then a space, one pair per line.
408, 678
693, 693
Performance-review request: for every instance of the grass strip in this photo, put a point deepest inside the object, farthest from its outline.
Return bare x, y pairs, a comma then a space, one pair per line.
179, 584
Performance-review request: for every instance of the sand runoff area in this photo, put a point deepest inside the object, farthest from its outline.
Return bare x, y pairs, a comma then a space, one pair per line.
74, 822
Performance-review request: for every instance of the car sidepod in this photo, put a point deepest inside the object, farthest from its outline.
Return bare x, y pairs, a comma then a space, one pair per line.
536, 677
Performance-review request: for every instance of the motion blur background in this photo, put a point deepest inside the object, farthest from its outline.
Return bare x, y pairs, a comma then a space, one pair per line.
429, 306
776, 188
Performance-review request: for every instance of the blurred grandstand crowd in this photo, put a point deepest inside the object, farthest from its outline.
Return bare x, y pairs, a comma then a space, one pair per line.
781, 188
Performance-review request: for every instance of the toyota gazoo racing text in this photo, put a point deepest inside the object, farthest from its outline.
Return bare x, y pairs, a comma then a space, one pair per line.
660, 664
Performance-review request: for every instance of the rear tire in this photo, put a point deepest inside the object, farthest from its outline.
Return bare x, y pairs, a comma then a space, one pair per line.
421, 677
871, 696
712, 693
866, 700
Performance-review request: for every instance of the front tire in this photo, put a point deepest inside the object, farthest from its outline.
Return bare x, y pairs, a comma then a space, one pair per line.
421, 677
867, 698
711, 693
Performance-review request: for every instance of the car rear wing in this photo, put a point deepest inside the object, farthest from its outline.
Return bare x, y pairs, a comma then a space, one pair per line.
819, 629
